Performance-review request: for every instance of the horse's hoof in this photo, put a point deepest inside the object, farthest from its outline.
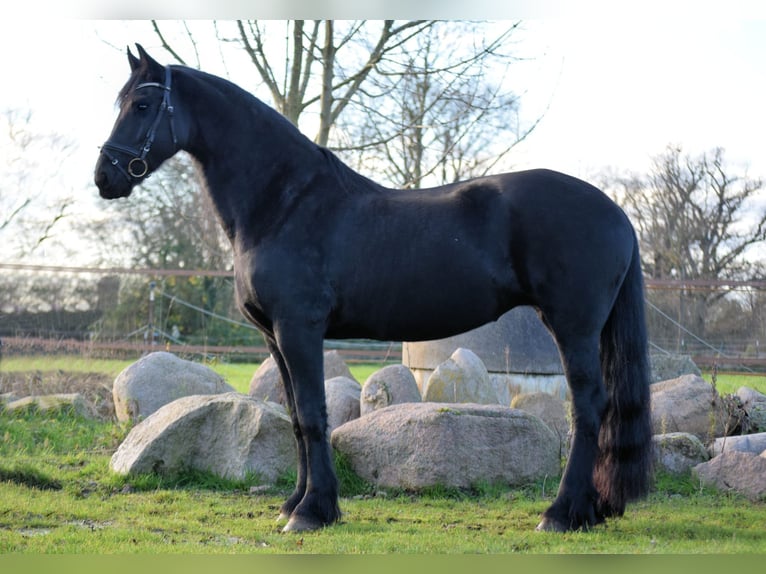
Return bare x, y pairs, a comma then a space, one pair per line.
301, 524
550, 525
283, 517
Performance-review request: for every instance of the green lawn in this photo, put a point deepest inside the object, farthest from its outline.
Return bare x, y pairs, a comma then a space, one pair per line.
54, 502
57, 495
237, 375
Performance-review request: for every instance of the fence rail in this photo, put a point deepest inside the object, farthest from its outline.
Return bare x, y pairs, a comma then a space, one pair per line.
351, 353
671, 284
46, 329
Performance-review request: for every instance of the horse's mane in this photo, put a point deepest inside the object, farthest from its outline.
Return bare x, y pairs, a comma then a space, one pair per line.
349, 178
128, 88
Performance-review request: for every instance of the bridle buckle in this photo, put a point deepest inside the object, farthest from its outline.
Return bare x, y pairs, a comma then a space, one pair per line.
141, 171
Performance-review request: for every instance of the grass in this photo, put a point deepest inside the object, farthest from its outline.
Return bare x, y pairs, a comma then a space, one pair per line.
57, 495
66, 363
238, 375
93, 514
728, 383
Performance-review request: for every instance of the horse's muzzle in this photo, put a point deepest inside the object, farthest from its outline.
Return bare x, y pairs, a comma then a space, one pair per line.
111, 185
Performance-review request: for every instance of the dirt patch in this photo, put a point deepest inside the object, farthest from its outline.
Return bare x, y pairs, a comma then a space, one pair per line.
96, 388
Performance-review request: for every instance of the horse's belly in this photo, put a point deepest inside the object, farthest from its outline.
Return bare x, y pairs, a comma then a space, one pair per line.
418, 310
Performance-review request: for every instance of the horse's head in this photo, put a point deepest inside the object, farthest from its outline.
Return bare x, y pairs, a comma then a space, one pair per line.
144, 134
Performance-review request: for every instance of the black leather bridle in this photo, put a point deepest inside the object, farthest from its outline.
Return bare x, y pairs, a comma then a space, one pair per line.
137, 166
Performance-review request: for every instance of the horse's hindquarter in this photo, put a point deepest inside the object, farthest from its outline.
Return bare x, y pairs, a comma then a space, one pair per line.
572, 245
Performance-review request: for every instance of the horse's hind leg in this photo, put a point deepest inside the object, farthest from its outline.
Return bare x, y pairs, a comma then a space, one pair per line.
575, 506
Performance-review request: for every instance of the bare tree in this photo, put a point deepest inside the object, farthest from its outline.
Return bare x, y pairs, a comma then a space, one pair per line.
386, 95
30, 208
305, 64
696, 219
438, 116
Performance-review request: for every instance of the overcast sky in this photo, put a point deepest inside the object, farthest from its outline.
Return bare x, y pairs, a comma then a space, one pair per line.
615, 91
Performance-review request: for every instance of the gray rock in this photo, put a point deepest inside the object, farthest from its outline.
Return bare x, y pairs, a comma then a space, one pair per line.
551, 410
342, 396
266, 383
158, 379
750, 443
462, 378
688, 404
738, 471
754, 404
54, 402
228, 434
678, 452
667, 367
417, 445
7, 398
391, 385
335, 366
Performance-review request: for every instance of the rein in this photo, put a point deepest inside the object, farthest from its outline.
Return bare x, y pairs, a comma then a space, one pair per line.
137, 166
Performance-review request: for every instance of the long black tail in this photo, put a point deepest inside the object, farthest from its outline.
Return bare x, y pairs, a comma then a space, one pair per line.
623, 469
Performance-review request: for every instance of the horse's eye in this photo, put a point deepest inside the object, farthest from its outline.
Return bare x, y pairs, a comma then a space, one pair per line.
142, 106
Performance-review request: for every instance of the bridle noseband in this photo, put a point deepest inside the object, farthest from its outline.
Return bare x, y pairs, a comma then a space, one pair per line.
137, 166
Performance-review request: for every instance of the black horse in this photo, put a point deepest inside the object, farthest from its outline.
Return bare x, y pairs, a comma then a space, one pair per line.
321, 251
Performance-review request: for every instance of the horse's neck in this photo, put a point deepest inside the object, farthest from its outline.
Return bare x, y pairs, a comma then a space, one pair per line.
254, 161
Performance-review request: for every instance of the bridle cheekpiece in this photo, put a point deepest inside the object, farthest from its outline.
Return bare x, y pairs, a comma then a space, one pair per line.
137, 167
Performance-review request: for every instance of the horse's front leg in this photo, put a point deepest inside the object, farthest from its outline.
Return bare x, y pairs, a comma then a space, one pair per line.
300, 484
301, 350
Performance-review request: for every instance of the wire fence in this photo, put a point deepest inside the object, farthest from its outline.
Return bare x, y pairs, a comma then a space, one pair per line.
46, 309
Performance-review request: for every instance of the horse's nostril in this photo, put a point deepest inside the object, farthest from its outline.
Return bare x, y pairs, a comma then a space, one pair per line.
101, 179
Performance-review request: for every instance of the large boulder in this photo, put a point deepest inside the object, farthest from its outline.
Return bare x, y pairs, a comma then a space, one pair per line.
266, 383
462, 378
390, 385
754, 404
229, 435
342, 396
417, 445
688, 404
549, 409
158, 379
751, 443
738, 471
677, 452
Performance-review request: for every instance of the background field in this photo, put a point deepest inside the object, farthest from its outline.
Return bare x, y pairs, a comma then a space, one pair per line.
239, 374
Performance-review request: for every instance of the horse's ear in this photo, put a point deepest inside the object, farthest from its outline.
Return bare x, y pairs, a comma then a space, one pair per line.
150, 63
132, 60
